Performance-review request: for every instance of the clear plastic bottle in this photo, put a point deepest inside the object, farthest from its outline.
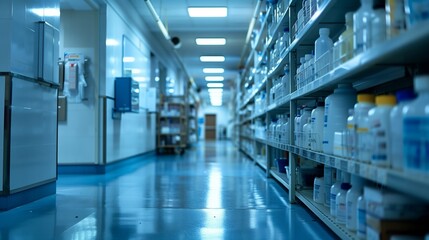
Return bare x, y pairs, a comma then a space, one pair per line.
285, 81
364, 104
361, 218
379, 124
396, 145
308, 69
351, 202
322, 54
317, 118
340, 202
378, 25
416, 128
395, 17
285, 41
346, 40
319, 190
361, 26
285, 130
279, 125
336, 111
335, 189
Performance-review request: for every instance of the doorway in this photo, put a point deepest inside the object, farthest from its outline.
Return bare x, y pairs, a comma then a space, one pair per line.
210, 126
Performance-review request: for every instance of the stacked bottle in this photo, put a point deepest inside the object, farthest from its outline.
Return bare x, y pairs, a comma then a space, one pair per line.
379, 121
361, 108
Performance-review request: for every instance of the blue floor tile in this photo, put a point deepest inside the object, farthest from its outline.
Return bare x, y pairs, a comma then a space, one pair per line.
210, 192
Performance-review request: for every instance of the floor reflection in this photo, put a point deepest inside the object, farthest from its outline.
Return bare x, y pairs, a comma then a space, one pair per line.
211, 192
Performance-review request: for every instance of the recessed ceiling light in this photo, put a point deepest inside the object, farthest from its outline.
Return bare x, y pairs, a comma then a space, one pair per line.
210, 41
212, 59
213, 70
214, 85
212, 90
214, 78
207, 11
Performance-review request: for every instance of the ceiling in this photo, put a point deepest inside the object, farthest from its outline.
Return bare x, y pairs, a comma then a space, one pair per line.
174, 15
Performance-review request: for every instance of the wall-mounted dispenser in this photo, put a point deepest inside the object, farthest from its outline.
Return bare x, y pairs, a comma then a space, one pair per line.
127, 95
74, 77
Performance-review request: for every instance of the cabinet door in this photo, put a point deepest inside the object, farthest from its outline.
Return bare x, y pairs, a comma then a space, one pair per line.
33, 137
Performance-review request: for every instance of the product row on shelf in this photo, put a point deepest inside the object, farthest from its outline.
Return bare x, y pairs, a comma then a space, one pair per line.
333, 103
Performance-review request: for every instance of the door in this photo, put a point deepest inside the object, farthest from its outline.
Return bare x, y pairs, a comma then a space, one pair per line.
210, 126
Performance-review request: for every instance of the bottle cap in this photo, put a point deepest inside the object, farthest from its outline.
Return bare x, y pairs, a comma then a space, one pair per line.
421, 83
324, 31
405, 95
365, 97
345, 186
385, 100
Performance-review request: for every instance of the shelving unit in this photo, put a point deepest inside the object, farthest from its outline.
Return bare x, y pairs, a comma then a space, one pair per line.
172, 125
391, 63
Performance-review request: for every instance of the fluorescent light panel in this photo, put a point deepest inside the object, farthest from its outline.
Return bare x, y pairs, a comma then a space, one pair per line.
207, 11
210, 41
214, 78
212, 59
213, 70
212, 90
214, 85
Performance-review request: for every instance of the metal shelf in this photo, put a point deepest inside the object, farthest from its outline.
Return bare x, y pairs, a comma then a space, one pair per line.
280, 177
253, 94
401, 181
306, 197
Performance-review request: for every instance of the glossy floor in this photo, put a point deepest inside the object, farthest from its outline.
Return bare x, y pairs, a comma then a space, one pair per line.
211, 192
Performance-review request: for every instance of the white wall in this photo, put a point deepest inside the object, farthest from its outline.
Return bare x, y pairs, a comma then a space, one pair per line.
135, 132
77, 137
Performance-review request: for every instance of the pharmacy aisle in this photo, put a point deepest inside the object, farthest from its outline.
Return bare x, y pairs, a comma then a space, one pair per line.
333, 104
210, 192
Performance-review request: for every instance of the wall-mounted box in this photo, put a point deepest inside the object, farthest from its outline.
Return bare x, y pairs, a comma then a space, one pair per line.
127, 94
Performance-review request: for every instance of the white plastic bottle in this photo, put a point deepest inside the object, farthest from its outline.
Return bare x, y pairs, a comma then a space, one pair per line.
364, 104
306, 114
300, 73
379, 124
319, 190
416, 128
340, 202
361, 217
361, 26
317, 119
351, 135
336, 111
351, 202
329, 178
396, 145
308, 69
335, 189
306, 129
297, 122
286, 130
322, 48
285, 81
